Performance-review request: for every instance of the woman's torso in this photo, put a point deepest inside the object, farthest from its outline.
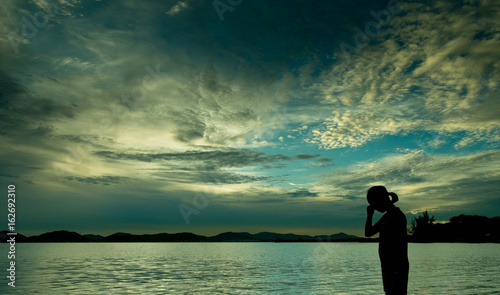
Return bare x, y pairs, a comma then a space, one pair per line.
393, 244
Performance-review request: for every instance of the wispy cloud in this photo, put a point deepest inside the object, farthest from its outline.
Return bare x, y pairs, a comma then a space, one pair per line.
104, 180
218, 158
415, 76
438, 182
180, 6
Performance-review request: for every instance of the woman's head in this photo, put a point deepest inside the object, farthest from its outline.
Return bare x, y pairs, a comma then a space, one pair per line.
379, 199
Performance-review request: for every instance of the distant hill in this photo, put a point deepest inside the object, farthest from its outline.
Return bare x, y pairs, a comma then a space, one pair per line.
235, 237
94, 238
275, 237
60, 236
463, 228
63, 236
160, 237
4, 237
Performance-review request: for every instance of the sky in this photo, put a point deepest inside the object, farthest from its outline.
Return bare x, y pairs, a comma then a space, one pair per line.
238, 115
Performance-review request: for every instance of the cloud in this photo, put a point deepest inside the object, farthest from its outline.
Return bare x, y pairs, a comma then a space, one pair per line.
307, 156
211, 166
226, 158
104, 180
325, 160
355, 128
9, 88
415, 77
438, 182
78, 100
191, 176
180, 6
25, 112
301, 193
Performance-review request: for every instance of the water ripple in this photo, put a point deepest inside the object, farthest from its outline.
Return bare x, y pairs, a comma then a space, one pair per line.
246, 268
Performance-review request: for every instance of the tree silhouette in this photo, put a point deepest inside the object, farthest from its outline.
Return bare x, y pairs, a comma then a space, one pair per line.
422, 227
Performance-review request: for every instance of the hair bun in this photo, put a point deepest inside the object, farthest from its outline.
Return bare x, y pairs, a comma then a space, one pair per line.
394, 197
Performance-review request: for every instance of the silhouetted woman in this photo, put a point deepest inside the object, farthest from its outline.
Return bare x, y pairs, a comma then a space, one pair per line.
393, 245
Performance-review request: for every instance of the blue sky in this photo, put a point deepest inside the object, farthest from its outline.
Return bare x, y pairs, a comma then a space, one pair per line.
212, 116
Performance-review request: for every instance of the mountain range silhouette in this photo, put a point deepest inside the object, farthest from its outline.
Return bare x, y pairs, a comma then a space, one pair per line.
460, 229
62, 236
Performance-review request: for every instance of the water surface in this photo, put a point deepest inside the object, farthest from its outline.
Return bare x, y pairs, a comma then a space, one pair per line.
245, 268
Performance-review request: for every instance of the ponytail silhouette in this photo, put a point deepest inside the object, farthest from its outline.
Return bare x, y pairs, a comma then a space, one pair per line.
394, 197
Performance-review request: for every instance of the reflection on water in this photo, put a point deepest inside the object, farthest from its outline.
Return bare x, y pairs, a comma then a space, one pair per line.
245, 268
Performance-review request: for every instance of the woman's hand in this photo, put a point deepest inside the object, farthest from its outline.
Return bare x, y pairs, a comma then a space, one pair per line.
370, 229
370, 210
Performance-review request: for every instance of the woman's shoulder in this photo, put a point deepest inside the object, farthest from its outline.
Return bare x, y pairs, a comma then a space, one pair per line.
396, 209
395, 212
